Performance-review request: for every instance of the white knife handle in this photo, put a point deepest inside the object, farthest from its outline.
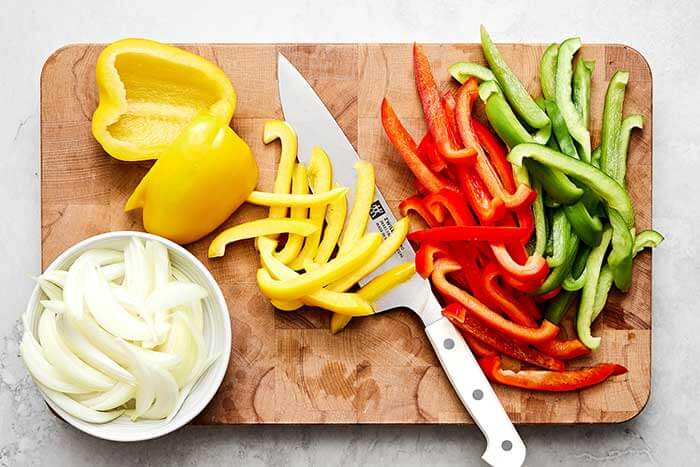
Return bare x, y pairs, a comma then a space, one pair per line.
503, 444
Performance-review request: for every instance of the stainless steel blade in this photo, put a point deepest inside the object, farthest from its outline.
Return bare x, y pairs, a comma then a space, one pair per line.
315, 126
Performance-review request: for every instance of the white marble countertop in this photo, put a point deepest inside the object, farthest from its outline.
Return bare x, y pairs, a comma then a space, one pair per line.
666, 433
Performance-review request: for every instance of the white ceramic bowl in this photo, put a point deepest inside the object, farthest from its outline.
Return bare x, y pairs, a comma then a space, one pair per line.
217, 333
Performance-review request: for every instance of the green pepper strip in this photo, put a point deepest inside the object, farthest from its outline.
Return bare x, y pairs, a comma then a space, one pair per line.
548, 72
595, 157
628, 124
598, 182
516, 93
558, 306
461, 71
585, 309
647, 239
612, 161
558, 187
559, 273
588, 228
573, 119
561, 132
540, 221
582, 89
561, 238
644, 239
574, 281
620, 259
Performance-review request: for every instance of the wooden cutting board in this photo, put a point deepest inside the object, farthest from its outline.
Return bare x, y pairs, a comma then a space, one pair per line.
286, 367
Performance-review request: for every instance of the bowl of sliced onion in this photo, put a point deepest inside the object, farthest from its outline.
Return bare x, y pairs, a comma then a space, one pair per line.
127, 336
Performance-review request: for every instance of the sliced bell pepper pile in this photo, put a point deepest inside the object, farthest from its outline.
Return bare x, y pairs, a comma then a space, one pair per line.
513, 236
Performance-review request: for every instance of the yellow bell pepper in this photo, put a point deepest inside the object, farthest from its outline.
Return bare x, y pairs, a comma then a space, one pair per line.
335, 221
320, 178
308, 282
259, 228
376, 288
198, 181
364, 195
294, 243
262, 198
149, 92
387, 281
344, 303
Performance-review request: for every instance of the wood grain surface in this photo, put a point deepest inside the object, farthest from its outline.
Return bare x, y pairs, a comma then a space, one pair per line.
286, 367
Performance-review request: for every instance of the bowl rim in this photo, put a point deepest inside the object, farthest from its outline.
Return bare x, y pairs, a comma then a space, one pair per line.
220, 367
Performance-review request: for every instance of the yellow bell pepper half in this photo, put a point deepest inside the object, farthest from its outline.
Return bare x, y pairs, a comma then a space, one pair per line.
324, 275
149, 92
320, 178
205, 174
259, 228
296, 200
344, 303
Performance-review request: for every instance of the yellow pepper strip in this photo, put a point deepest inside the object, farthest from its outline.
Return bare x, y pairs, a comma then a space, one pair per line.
364, 194
291, 249
335, 221
149, 92
344, 303
320, 178
384, 252
259, 228
309, 282
387, 281
295, 200
278, 129
375, 289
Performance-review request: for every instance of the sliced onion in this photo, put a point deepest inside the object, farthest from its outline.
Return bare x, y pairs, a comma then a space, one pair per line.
157, 253
114, 271
65, 361
57, 306
77, 409
185, 391
107, 311
138, 275
127, 300
89, 353
73, 290
42, 371
145, 392
119, 395
167, 297
56, 276
166, 394
50, 289
182, 343
105, 256
195, 307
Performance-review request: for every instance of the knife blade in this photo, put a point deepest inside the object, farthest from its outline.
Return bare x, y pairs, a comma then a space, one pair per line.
315, 126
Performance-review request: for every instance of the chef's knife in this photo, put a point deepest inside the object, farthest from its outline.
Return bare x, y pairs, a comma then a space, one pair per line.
315, 126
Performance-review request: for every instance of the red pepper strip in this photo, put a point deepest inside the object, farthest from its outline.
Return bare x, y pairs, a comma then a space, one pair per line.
534, 269
547, 296
546, 331
478, 348
526, 220
415, 203
407, 148
463, 321
466, 255
449, 104
519, 285
458, 233
507, 304
497, 154
553, 381
565, 349
466, 96
452, 202
528, 305
426, 256
429, 154
433, 110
